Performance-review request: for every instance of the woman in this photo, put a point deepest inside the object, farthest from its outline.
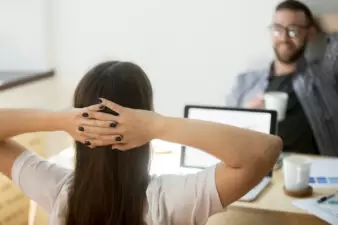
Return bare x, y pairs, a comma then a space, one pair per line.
111, 184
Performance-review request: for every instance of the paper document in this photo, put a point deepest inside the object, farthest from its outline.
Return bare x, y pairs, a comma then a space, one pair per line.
326, 211
324, 173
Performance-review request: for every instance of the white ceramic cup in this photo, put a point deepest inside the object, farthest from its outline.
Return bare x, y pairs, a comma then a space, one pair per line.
296, 171
277, 101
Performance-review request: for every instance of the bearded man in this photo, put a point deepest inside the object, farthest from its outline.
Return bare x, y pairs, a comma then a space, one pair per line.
310, 125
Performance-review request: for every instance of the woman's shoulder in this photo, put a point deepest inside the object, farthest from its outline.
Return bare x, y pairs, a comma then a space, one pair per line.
61, 204
179, 197
184, 175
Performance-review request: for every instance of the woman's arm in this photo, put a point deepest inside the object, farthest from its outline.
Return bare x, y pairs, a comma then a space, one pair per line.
236, 147
39, 179
247, 155
18, 121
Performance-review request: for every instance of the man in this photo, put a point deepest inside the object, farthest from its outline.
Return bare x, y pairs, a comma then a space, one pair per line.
311, 122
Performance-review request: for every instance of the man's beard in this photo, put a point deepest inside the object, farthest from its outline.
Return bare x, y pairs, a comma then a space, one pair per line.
293, 57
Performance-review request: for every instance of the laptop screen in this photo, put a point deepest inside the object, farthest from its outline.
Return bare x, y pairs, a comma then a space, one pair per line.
259, 120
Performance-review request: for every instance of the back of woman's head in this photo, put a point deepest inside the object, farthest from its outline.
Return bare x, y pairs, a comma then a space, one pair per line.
109, 186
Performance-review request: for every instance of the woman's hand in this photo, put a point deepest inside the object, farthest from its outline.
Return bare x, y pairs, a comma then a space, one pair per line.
74, 122
127, 129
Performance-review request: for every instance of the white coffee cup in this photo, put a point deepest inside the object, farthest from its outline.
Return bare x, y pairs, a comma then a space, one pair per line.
277, 101
296, 171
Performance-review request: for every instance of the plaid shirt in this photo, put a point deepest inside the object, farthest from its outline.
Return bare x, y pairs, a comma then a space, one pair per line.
315, 85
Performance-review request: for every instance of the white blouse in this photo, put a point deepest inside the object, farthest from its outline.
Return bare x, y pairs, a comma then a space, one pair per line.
172, 199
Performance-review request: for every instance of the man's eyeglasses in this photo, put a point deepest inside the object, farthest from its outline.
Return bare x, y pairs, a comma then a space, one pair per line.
291, 31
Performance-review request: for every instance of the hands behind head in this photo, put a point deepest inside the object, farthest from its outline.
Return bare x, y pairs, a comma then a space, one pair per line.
127, 129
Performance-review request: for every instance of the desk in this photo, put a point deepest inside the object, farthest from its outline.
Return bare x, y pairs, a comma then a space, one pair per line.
271, 207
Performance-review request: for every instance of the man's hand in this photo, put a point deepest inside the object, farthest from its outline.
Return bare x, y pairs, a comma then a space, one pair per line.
257, 102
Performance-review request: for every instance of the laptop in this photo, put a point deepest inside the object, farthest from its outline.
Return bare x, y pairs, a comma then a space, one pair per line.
255, 119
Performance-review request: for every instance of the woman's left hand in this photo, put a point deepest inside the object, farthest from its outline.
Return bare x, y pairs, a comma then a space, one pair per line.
78, 121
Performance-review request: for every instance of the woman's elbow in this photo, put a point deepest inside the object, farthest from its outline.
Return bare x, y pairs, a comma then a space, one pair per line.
276, 145
271, 152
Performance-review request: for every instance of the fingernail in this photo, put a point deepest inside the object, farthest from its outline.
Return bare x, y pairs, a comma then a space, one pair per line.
102, 107
115, 113
85, 114
81, 129
118, 138
100, 101
87, 143
113, 125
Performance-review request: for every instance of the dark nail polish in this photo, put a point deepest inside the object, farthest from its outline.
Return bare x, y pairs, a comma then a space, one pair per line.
113, 125
85, 115
87, 142
118, 138
102, 107
100, 101
115, 113
81, 129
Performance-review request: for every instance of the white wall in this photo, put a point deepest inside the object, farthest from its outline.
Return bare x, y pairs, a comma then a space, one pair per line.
24, 39
190, 49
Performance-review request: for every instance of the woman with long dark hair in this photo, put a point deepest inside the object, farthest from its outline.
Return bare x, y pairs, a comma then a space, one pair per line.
113, 123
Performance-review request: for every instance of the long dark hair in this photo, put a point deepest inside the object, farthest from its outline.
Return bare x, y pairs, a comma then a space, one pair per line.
109, 186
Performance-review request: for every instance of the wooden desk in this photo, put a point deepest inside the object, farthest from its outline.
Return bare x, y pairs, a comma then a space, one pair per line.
271, 207
274, 199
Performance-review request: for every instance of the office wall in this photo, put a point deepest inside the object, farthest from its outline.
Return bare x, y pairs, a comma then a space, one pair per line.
24, 41
191, 49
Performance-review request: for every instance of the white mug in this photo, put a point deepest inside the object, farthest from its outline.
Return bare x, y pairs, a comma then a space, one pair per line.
277, 101
296, 171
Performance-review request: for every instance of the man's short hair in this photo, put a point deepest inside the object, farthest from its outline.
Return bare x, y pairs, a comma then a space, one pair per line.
297, 6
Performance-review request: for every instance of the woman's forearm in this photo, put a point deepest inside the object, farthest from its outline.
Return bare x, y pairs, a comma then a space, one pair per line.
18, 121
234, 146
